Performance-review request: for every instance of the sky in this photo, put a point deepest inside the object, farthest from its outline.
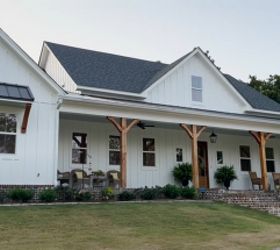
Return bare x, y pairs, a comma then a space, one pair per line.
242, 36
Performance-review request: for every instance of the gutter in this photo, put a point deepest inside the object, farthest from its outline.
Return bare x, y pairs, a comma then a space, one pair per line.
170, 109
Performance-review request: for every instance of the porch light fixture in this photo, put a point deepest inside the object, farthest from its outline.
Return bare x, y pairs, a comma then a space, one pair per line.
213, 137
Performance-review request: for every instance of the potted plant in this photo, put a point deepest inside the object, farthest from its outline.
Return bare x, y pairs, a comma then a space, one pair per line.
98, 173
183, 172
225, 174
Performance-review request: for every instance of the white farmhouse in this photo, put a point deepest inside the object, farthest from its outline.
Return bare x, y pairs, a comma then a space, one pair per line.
93, 110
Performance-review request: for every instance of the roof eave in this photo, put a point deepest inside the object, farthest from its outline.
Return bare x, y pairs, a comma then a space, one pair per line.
110, 93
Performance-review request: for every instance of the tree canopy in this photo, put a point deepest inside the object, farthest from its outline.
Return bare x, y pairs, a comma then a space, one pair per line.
269, 87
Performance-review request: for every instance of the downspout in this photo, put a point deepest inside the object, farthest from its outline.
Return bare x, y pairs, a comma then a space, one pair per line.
59, 103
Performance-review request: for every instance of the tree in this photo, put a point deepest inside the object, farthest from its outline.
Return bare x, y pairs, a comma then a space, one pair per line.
269, 87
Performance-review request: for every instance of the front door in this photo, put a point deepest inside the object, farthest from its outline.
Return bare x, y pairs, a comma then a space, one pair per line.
203, 164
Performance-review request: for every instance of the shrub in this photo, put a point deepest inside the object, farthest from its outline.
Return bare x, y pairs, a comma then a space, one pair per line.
151, 193
83, 195
64, 193
107, 194
3, 196
19, 194
48, 195
183, 172
126, 196
171, 191
189, 192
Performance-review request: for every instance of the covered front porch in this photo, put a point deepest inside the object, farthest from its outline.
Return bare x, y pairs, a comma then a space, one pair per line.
141, 165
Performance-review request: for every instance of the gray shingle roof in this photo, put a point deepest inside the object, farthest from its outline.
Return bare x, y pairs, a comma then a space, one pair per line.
102, 70
253, 97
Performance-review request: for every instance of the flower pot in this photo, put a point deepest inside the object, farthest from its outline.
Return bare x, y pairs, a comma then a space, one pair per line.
185, 183
227, 184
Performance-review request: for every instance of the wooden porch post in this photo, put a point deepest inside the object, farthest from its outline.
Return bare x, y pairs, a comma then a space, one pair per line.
261, 140
193, 134
123, 129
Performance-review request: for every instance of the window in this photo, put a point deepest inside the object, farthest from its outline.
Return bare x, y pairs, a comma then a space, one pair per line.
196, 89
270, 160
179, 155
149, 159
79, 148
8, 129
114, 150
245, 158
220, 159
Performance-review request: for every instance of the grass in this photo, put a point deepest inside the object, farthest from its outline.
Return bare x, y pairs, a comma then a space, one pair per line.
155, 226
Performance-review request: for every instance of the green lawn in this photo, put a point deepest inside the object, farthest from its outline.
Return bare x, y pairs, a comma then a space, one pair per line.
134, 226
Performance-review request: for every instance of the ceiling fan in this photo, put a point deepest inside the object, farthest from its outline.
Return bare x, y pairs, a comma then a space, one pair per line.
144, 125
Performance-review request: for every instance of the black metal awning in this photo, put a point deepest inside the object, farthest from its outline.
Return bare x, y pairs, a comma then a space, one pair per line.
15, 92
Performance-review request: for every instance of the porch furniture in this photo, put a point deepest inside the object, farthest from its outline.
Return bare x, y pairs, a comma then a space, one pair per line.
97, 181
255, 180
276, 179
114, 178
80, 178
63, 177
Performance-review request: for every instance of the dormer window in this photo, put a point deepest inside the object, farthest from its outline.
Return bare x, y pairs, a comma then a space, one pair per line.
196, 88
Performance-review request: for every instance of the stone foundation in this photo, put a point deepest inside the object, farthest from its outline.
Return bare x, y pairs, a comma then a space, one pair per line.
266, 201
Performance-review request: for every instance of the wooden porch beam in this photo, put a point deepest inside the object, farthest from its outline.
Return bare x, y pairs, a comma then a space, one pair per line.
261, 140
25, 118
193, 134
123, 129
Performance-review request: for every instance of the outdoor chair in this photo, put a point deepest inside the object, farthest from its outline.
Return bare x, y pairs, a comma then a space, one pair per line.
276, 179
255, 180
114, 178
80, 178
63, 177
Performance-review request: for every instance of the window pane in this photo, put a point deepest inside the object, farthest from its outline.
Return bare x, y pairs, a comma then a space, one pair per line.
245, 151
79, 156
148, 144
149, 159
2, 122
219, 157
179, 155
245, 165
11, 123
79, 140
269, 153
196, 82
114, 157
114, 142
197, 95
270, 166
7, 144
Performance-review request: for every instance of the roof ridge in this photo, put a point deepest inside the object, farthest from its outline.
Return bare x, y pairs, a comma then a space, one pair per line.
106, 53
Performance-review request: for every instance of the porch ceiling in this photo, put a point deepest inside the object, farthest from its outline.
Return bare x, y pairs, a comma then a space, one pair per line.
103, 119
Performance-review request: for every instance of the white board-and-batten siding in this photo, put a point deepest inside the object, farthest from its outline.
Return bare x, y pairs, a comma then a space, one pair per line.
175, 88
58, 73
34, 161
166, 142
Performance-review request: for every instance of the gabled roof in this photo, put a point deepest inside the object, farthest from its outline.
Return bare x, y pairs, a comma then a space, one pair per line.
102, 70
22, 54
15, 92
255, 98
107, 71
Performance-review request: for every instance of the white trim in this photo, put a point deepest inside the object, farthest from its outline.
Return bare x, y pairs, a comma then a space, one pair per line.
29, 61
109, 93
158, 108
263, 112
